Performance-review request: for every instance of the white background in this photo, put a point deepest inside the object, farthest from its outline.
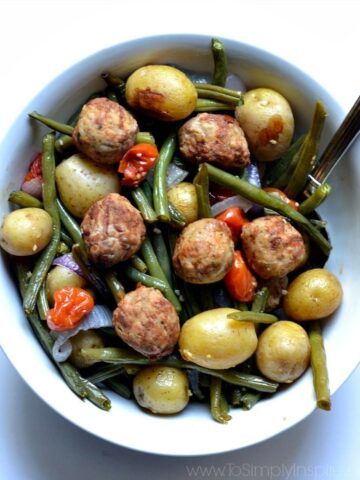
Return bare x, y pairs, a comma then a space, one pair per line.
38, 40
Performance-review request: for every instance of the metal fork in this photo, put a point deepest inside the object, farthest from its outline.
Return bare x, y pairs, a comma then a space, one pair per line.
338, 145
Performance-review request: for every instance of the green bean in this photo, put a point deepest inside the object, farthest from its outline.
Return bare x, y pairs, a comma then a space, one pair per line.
89, 271
249, 399
280, 172
143, 205
118, 387
208, 105
318, 366
306, 156
23, 199
257, 195
218, 96
315, 200
254, 317
191, 298
218, 405
104, 372
66, 239
156, 271
160, 199
176, 218
242, 306
162, 254
48, 254
209, 87
145, 137
53, 124
260, 300
64, 142
121, 356
138, 263
62, 248
42, 302
201, 183
138, 277
71, 225
114, 285
80, 386
236, 396
220, 62
114, 81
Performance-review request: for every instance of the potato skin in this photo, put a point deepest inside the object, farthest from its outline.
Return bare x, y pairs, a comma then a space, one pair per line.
26, 231
313, 295
162, 390
84, 339
61, 277
283, 351
162, 92
81, 183
268, 122
212, 340
183, 197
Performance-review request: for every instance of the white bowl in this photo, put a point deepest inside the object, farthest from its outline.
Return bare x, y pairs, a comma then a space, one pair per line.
193, 432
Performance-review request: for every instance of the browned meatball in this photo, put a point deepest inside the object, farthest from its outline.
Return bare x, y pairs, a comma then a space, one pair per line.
113, 230
214, 138
148, 322
272, 246
104, 131
204, 251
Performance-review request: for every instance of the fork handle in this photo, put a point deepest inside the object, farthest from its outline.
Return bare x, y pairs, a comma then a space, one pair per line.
340, 142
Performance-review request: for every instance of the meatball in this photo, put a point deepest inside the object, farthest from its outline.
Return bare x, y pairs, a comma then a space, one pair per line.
148, 322
272, 246
204, 251
113, 230
216, 139
104, 131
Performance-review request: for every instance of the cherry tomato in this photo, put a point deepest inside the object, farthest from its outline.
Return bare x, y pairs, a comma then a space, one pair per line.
136, 163
35, 169
239, 281
280, 194
235, 219
71, 305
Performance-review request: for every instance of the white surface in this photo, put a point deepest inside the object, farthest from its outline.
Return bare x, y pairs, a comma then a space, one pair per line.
37, 42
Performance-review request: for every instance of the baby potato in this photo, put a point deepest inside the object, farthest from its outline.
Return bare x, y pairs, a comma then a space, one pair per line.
183, 197
283, 351
84, 339
26, 231
314, 294
161, 389
61, 277
162, 92
212, 340
268, 123
81, 183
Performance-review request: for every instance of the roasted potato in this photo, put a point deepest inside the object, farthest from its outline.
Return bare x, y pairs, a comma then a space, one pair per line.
283, 351
84, 339
314, 294
268, 123
183, 197
162, 92
212, 340
81, 183
26, 231
161, 389
61, 277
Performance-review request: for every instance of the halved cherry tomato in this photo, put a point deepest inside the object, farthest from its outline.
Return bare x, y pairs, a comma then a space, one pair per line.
136, 163
280, 194
239, 281
235, 219
35, 169
71, 306
33, 180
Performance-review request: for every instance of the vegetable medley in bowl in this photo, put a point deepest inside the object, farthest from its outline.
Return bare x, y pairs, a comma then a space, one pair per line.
164, 248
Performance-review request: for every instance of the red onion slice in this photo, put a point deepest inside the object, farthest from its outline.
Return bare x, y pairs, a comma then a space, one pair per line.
100, 316
235, 201
33, 187
68, 262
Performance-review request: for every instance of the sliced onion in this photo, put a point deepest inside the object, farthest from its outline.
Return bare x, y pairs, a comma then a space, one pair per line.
234, 82
33, 187
68, 262
175, 175
99, 317
235, 201
252, 175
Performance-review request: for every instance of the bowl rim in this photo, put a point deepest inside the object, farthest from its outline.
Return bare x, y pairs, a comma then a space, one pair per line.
11, 353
